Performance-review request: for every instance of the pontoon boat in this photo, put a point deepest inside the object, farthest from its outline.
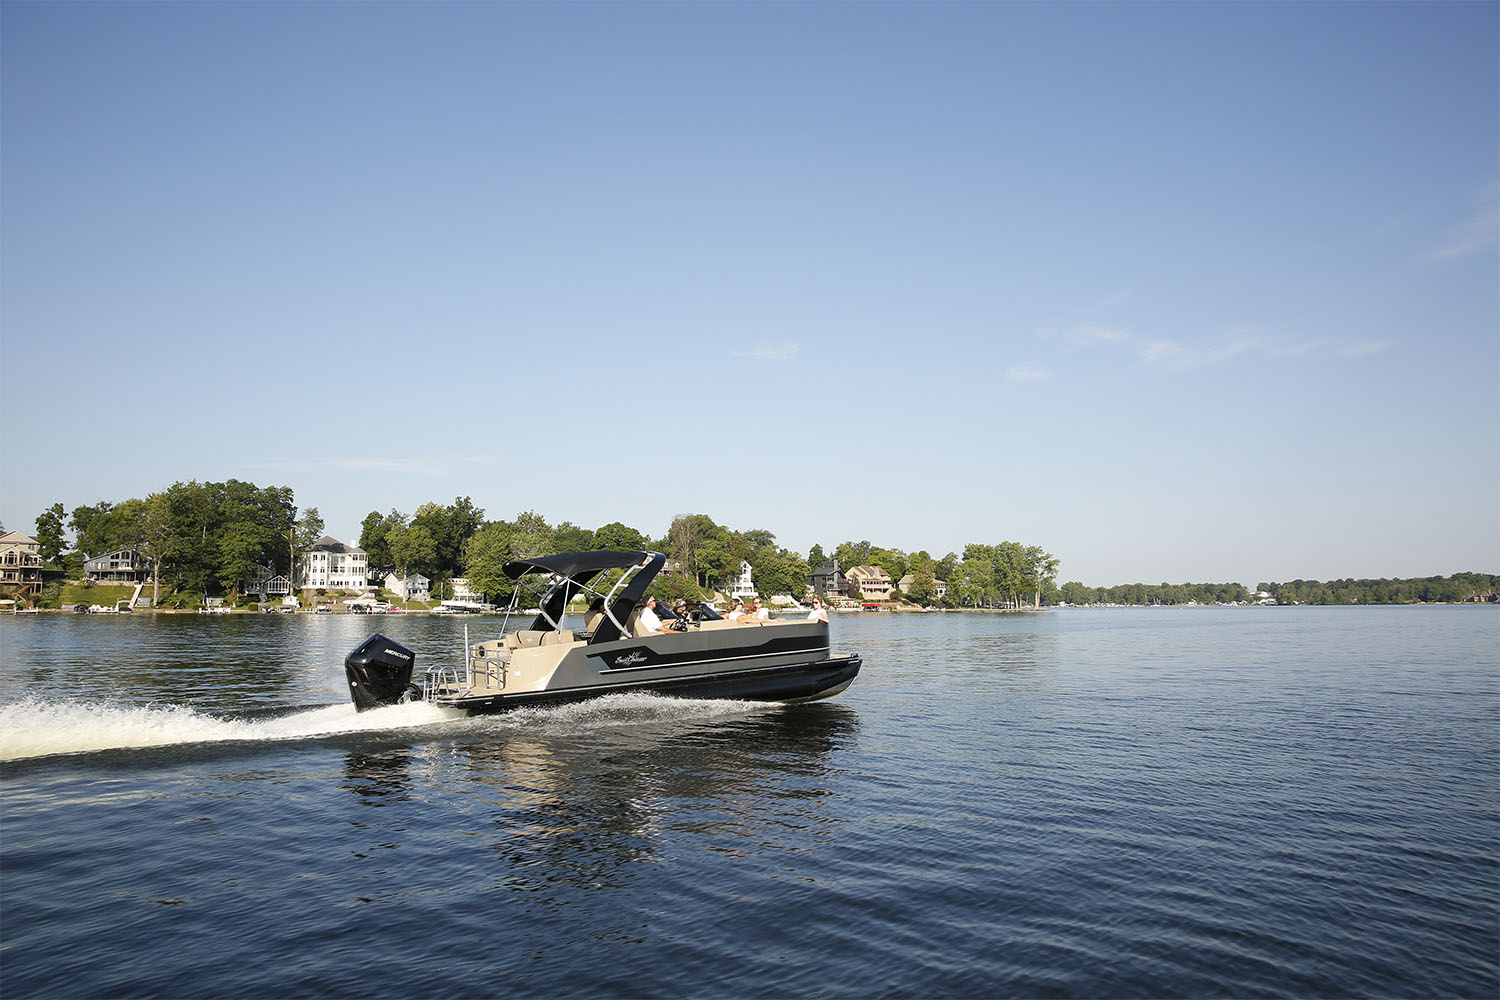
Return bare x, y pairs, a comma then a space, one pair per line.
547, 663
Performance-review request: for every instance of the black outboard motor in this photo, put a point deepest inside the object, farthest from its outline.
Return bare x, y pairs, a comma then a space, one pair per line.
380, 673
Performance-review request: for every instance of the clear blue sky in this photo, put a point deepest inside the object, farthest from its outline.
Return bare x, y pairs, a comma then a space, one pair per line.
1179, 292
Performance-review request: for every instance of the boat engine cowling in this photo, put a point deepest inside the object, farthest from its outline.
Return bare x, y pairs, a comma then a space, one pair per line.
379, 672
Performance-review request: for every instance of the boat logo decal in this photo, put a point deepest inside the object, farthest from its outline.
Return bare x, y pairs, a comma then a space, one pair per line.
397, 653
631, 659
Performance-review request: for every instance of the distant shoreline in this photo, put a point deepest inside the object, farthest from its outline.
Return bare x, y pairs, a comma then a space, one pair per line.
252, 612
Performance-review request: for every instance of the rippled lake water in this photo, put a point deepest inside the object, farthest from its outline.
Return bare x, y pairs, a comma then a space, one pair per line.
1236, 802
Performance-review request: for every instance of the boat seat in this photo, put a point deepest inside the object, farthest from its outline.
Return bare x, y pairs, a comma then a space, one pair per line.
521, 638
527, 637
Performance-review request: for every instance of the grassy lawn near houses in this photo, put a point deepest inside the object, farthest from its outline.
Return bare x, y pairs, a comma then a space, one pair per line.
105, 594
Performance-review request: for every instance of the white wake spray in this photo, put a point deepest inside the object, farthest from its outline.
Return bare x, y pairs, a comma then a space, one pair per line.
36, 727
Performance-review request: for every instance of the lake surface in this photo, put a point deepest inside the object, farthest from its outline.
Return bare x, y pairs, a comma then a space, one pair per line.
1283, 802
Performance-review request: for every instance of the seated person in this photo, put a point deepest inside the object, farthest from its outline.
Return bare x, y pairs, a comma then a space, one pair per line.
757, 613
735, 609
595, 615
648, 623
818, 612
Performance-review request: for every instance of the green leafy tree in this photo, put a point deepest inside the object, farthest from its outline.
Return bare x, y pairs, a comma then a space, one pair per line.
449, 527
530, 536
717, 559
93, 528
569, 537
700, 547
946, 566
851, 554
372, 538
485, 554
308, 529
815, 556
615, 536
671, 587
778, 571
758, 538
413, 548
1074, 592
1040, 572
924, 584
240, 545
159, 541
49, 533
893, 561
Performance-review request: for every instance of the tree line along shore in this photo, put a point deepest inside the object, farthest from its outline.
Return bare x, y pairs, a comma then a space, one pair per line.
205, 540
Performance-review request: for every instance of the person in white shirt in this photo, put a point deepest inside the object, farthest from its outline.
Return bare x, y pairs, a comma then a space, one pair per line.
648, 621
757, 612
818, 612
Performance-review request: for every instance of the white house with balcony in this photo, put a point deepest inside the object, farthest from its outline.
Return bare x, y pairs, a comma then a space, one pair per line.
414, 588
463, 592
743, 587
329, 564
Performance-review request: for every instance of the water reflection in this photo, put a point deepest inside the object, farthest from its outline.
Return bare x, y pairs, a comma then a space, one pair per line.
559, 802
379, 778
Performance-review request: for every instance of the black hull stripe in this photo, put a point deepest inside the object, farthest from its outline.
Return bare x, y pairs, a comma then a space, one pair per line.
803, 644
777, 683
665, 664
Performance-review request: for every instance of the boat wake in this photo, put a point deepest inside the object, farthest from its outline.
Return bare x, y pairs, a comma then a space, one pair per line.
38, 727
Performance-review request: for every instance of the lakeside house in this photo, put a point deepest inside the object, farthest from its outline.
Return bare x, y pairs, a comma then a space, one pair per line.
828, 580
873, 583
329, 564
743, 586
939, 587
21, 563
415, 587
463, 592
120, 566
267, 582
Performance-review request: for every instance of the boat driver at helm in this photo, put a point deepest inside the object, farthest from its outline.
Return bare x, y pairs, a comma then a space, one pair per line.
649, 622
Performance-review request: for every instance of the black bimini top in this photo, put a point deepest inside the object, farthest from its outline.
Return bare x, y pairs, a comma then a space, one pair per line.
572, 572
574, 564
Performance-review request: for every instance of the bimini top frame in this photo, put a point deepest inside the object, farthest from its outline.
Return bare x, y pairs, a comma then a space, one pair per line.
572, 573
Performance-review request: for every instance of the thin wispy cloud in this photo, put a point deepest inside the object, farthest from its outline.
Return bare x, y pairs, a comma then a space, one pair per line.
1025, 373
1326, 346
1180, 355
1479, 232
770, 352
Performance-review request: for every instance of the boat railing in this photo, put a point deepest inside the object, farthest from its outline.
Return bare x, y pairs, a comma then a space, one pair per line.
442, 681
487, 670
